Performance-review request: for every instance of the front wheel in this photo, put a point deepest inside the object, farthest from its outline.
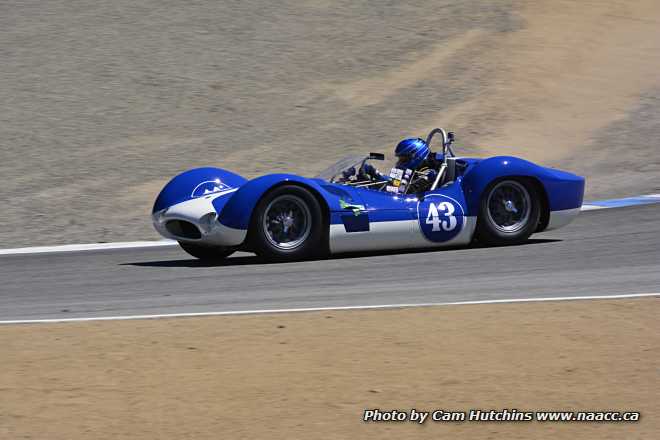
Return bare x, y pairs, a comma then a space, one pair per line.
509, 212
287, 224
206, 253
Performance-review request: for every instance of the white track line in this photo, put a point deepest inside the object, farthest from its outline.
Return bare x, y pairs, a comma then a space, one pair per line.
321, 309
87, 247
164, 243
591, 207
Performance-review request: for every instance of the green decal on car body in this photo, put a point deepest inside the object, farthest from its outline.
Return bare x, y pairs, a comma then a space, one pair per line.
357, 209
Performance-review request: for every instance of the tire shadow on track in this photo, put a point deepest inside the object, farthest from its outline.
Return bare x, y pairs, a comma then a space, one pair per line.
256, 260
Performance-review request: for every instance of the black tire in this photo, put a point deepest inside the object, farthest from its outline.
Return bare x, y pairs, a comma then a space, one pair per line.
301, 239
493, 225
206, 253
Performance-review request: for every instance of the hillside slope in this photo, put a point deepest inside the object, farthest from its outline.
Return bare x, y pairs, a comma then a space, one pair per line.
100, 103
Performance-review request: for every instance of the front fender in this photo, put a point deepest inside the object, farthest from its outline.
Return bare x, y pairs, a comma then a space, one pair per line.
237, 212
195, 183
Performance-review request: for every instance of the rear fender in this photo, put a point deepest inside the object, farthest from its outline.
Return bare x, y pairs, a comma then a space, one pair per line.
563, 190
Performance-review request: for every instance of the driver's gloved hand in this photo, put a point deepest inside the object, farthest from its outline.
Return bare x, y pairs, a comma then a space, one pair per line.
346, 175
371, 171
431, 175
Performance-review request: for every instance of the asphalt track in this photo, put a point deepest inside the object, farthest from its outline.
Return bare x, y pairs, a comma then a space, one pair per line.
606, 252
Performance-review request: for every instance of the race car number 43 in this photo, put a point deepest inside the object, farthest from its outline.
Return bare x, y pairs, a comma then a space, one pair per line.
448, 221
440, 218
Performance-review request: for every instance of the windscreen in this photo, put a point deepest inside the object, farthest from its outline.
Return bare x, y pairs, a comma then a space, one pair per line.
333, 171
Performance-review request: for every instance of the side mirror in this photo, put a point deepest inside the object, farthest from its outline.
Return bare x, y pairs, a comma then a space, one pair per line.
376, 156
450, 137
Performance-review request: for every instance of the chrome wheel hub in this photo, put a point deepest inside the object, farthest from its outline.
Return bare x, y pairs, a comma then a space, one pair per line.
510, 207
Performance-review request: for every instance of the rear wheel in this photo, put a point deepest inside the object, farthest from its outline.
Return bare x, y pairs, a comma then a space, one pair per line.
206, 253
287, 224
509, 212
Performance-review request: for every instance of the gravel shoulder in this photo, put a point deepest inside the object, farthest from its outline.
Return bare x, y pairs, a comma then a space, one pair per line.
298, 375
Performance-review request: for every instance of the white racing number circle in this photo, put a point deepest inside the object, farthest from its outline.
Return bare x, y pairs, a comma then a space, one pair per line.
441, 218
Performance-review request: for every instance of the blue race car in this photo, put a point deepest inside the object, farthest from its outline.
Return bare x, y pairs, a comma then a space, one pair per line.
446, 201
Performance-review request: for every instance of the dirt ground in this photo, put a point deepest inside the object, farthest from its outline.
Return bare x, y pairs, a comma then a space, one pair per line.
101, 103
311, 375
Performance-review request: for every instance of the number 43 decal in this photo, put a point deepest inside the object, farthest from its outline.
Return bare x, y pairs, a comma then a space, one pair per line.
441, 216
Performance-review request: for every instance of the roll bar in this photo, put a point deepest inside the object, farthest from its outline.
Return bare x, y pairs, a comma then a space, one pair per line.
447, 140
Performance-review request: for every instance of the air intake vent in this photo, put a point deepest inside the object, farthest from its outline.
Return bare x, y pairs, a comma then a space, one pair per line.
183, 229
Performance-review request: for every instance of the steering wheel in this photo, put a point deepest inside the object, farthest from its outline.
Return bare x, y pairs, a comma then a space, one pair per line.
371, 156
361, 173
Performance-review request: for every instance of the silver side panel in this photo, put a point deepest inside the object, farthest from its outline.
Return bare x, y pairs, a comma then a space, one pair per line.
222, 235
559, 219
405, 234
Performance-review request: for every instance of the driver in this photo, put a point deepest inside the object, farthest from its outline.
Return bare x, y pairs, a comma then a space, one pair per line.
412, 154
